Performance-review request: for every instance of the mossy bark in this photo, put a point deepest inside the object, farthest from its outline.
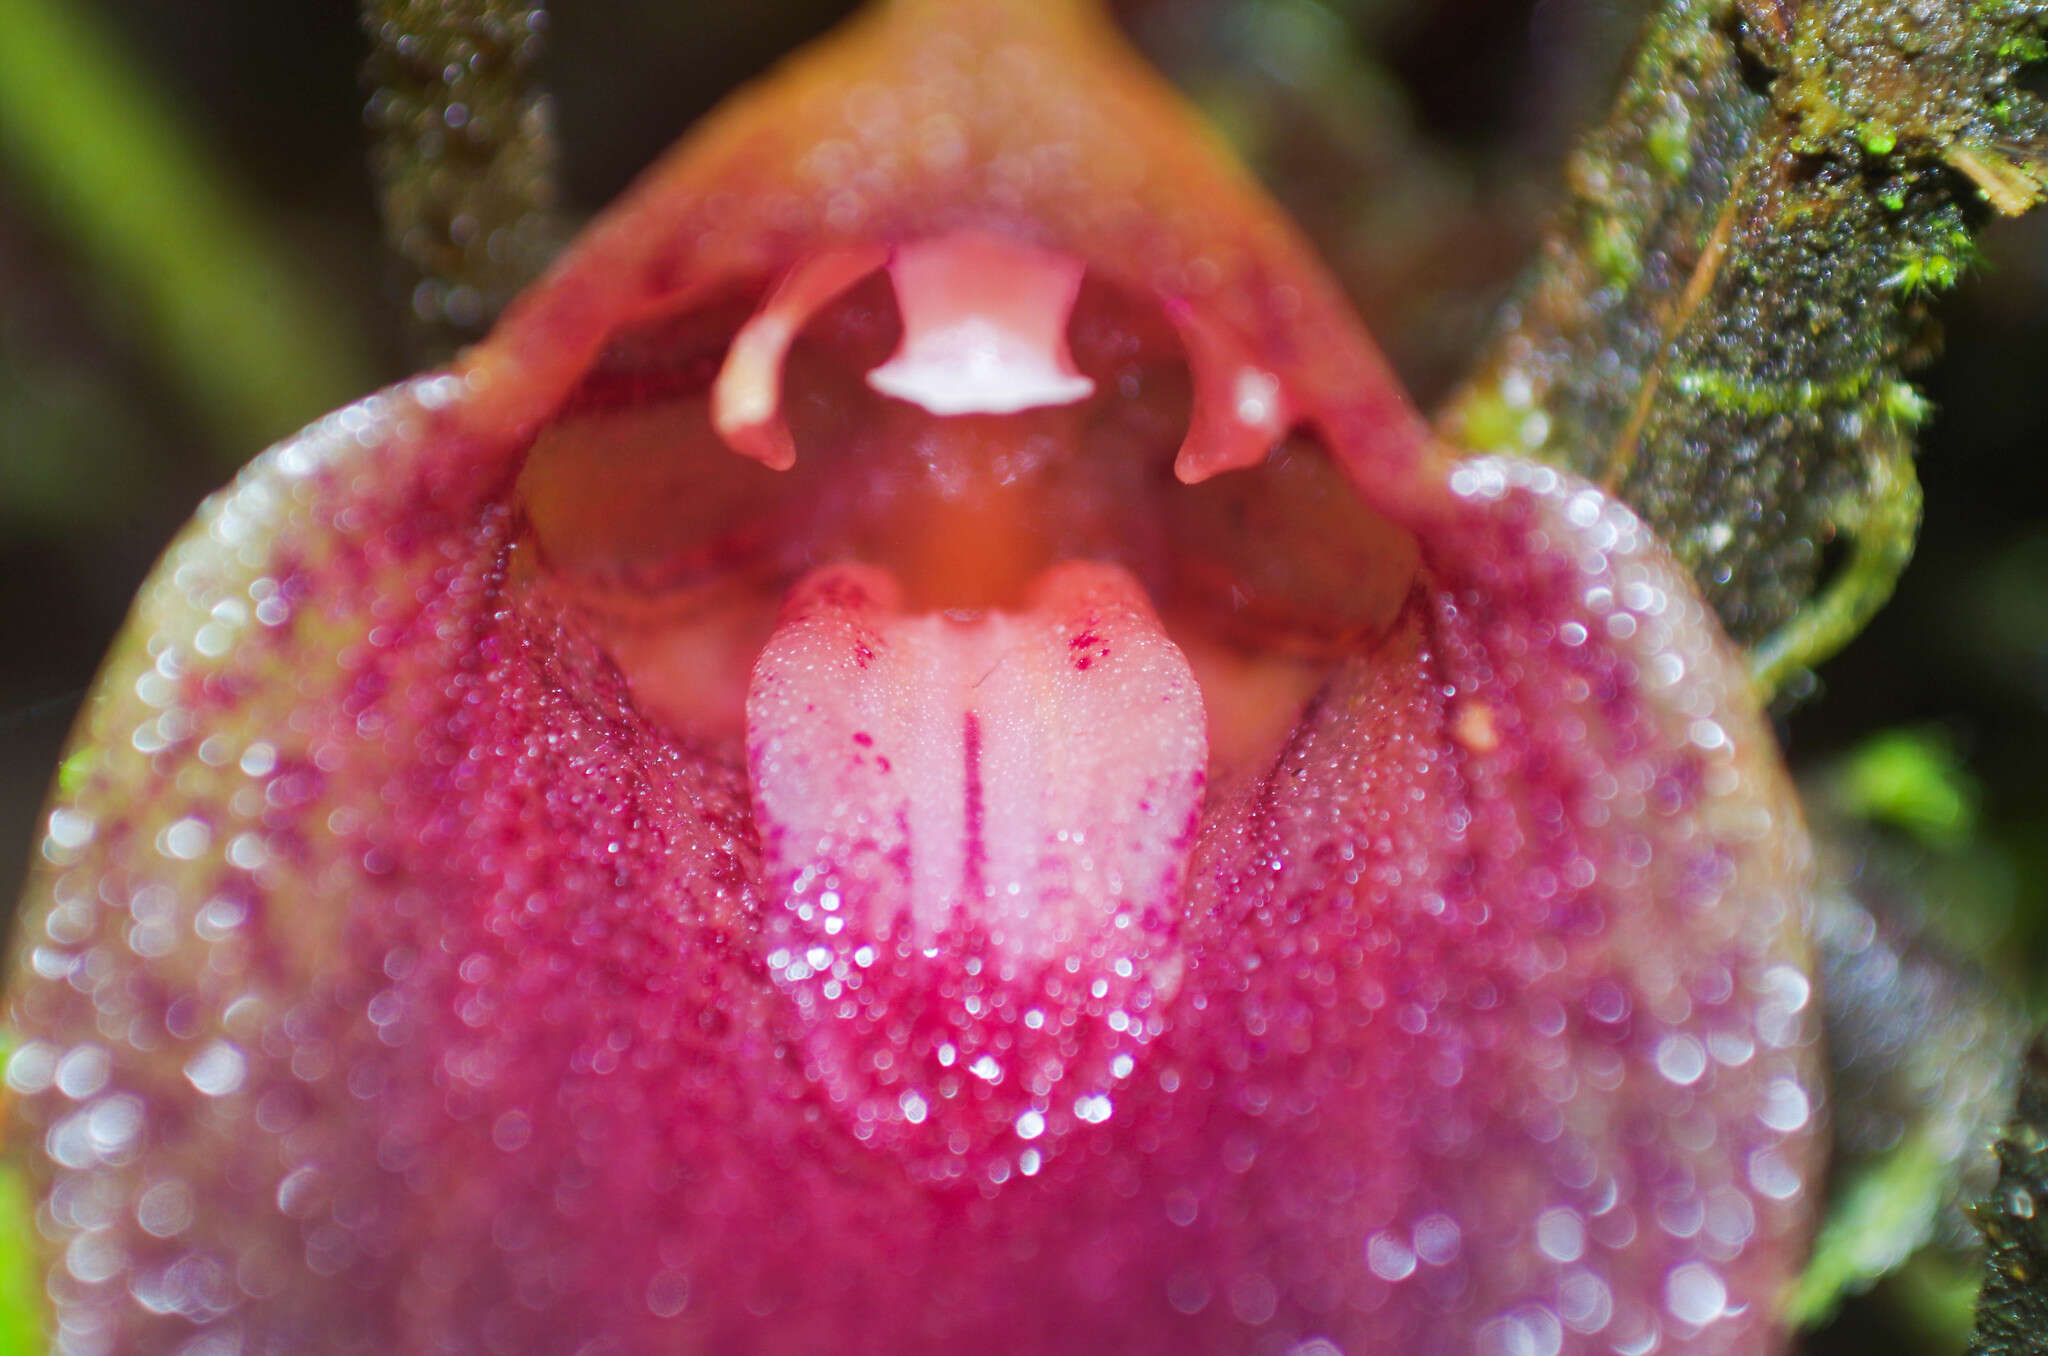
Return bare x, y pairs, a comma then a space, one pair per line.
1720, 322
2012, 1308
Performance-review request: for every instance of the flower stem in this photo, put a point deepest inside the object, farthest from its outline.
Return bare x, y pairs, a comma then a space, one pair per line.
464, 154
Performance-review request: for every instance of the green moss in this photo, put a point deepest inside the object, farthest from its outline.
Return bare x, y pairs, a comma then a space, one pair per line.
1924, 273
1615, 254
1732, 393
1901, 402
1668, 144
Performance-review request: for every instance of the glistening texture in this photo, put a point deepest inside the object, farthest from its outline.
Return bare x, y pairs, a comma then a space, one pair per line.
395, 982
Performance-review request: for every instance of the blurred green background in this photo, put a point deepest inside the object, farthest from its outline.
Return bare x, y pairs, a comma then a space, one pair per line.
191, 265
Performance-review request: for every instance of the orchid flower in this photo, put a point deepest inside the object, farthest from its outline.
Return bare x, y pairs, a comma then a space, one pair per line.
920, 752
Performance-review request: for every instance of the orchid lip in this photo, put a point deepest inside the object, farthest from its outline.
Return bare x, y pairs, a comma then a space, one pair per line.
975, 838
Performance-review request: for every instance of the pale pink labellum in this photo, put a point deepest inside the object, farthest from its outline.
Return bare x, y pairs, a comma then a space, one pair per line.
414, 964
977, 830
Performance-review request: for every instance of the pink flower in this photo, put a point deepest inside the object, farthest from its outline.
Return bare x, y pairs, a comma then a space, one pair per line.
828, 789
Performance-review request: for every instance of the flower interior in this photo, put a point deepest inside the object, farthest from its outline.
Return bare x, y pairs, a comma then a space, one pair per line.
983, 569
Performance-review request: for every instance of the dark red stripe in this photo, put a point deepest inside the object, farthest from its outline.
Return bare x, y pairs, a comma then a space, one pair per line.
974, 868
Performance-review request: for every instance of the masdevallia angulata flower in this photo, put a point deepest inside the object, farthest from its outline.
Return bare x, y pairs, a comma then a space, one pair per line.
920, 752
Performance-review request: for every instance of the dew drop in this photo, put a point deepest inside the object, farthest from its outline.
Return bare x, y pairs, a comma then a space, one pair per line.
1389, 1256
1561, 1234
668, 1294
217, 1070
1682, 1059
1695, 1294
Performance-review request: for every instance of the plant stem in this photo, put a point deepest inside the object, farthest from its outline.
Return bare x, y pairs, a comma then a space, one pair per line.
464, 155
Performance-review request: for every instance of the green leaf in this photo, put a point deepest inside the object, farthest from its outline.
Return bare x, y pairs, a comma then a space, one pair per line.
225, 304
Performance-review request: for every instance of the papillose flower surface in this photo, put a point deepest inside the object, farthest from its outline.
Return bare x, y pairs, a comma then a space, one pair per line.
919, 753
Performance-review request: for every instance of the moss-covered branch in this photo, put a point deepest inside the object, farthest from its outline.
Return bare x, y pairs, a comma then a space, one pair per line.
464, 153
2012, 1308
1720, 324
